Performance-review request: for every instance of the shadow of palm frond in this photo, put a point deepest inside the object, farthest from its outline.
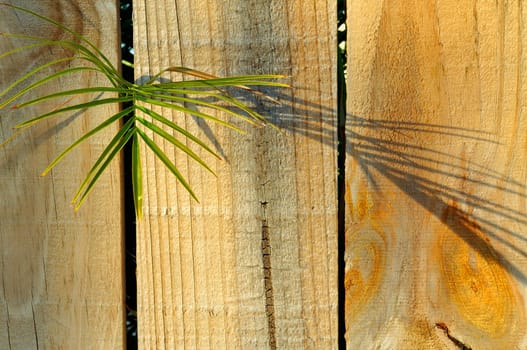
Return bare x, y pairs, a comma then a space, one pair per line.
441, 182
398, 152
424, 174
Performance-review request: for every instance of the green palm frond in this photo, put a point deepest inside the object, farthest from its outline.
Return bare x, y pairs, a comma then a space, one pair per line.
206, 92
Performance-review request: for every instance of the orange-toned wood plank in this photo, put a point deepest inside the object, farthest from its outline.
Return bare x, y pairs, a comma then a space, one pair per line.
436, 171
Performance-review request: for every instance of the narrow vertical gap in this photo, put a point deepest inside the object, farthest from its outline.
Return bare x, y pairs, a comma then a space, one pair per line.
127, 54
341, 161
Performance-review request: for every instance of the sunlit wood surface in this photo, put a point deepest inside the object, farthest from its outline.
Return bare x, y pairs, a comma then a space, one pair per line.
60, 273
253, 264
436, 220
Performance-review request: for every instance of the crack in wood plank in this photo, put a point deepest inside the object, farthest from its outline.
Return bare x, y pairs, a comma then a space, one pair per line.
456, 341
34, 325
268, 284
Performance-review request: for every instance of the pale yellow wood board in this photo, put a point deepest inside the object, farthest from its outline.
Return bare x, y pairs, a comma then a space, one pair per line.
200, 268
61, 284
436, 221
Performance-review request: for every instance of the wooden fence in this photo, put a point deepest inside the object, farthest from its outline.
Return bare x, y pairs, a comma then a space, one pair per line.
205, 277
60, 272
436, 173
435, 200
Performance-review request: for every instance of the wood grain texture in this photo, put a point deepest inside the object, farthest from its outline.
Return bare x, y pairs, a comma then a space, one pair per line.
253, 265
436, 224
61, 284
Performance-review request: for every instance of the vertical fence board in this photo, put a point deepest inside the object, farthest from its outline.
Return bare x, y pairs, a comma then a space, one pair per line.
60, 273
436, 171
205, 278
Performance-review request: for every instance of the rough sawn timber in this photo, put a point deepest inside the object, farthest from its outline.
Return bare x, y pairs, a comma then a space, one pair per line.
61, 284
253, 264
436, 221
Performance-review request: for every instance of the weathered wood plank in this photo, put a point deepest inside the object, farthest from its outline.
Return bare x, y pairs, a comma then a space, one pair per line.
436, 174
60, 273
253, 266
